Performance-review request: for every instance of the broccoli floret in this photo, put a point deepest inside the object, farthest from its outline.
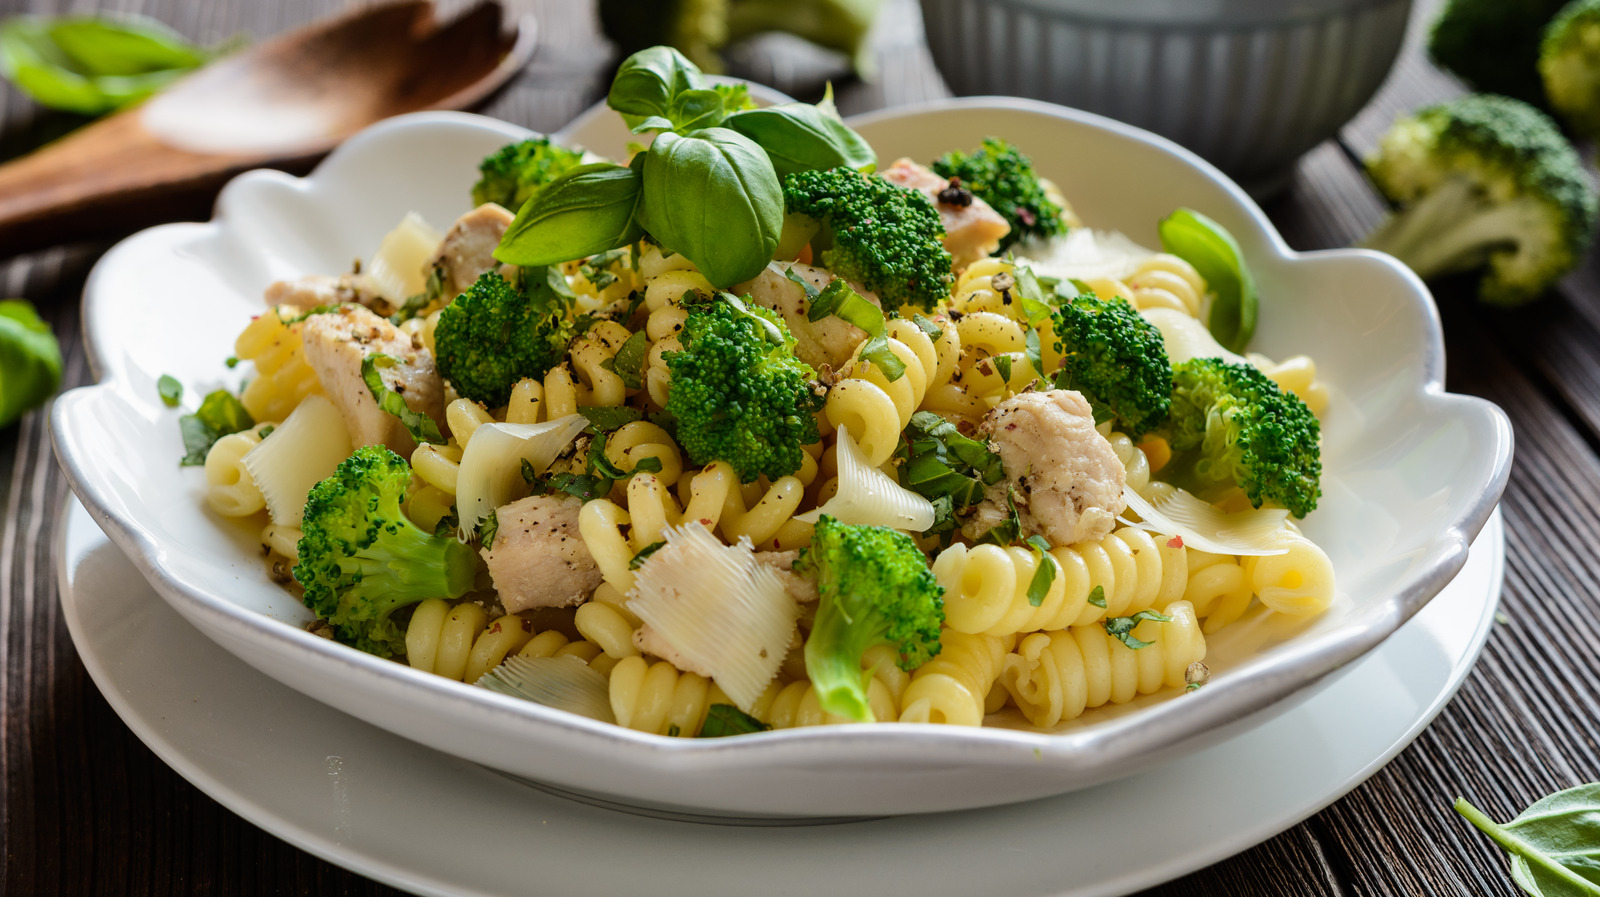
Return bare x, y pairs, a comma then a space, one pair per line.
1002, 177
513, 173
875, 588
1484, 182
738, 392
497, 333
1569, 63
361, 559
886, 237
699, 29
1493, 45
1115, 358
1231, 425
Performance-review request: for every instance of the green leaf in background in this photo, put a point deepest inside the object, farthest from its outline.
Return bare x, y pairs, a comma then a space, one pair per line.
93, 65
802, 137
170, 390
1554, 845
590, 209
1213, 252
419, 425
647, 81
219, 414
713, 196
30, 360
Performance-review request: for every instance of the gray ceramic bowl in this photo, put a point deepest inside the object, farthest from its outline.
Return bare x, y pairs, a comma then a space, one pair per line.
1248, 84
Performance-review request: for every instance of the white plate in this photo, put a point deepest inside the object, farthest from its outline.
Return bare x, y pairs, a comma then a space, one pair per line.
432, 823
1411, 474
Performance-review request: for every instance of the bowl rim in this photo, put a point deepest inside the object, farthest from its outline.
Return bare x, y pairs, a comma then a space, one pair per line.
1229, 701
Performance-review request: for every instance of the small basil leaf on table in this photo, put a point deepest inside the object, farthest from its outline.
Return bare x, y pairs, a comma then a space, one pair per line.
647, 81
170, 390
1554, 844
91, 66
30, 359
588, 210
1212, 251
802, 137
713, 196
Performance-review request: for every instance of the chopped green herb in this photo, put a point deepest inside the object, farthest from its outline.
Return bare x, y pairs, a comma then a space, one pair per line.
488, 529
628, 363
266, 431
232, 361
1045, 574
604, 419
726, 719
934, 332
1097, 596
170, 390
644, 555
421, 427
1002, 365
219, 414
1122, 627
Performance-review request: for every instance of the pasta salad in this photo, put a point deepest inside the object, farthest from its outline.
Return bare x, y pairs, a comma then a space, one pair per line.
751, 431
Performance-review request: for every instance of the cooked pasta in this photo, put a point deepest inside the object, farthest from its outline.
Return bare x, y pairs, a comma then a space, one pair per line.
1057, 675
994, 610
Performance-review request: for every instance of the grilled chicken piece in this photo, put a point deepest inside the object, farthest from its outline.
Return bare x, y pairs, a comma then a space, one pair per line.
1063, 475
337, 342
972, 230
538, 559
315, 290
803, 589
828, 341
467, 250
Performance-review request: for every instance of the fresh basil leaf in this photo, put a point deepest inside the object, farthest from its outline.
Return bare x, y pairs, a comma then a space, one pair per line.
1035, 303
644, 555
1554, 844
590, 209
647, 81
91, 65
605, 418
1121, 628
597, 269
628, 363
1097, 596
934, 332
219, 414
726, 719
170, 390
652, 123
421, 427
1034, 352
713, 196
30, 359
970, 452
488, 528
1002, 366
876, 350
692, 110
1009, 530
1214, 253
1045, 574
529, 476
801, 137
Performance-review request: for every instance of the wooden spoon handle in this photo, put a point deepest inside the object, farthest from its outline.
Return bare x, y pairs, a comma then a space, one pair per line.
108, 177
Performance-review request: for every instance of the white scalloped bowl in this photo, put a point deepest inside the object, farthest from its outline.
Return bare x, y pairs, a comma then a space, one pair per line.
1411, 474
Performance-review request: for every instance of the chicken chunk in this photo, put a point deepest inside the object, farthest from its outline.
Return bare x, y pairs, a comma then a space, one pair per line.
538, 558
803, 589
315, 290
335, 345
828, 341
1063, 475
972, 230
467, 250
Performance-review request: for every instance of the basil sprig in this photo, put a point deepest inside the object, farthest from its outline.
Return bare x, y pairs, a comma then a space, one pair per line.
1554, 844
709, 186
712, 195
91, 65
1214, 253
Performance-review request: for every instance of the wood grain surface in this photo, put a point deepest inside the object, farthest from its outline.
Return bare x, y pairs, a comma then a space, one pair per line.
87, 809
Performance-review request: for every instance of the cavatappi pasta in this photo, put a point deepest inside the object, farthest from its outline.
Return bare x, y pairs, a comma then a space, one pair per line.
1047, 612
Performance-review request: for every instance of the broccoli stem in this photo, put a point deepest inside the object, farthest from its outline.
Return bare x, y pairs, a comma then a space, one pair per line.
833, 661
1452, 228
407, 565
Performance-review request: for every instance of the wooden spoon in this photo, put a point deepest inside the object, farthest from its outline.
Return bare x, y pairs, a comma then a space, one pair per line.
284, 103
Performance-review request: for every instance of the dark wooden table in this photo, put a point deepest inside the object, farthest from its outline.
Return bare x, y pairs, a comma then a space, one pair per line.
87, 809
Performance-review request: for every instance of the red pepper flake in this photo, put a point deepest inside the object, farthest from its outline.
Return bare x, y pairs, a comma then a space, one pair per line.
1175, 542
705, 521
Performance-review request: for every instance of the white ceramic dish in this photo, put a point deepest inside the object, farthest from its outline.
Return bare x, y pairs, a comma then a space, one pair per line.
376, 803
1412, 473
